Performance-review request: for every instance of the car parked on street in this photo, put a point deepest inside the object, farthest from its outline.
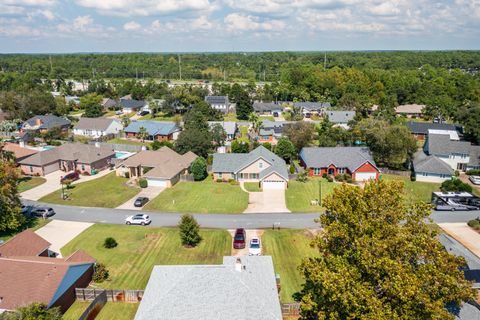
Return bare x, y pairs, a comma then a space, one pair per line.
475, 179
140, 219
140, 202
43, 212
25, 209
239, 239
255, 248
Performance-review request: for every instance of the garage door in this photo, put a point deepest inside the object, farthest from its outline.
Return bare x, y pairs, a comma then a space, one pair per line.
363, 176
273, 185
157, 182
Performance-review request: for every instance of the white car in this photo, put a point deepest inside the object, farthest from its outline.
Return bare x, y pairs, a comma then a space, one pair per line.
475, 179
255, 248
141, 219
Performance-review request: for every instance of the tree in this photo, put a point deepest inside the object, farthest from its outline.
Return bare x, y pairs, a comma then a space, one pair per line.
91, 103
255, 120
199, 169
158, 144
100, 273
61, 106
285, 149
378, 259
219, 135
189, 231
142, 133
10, 216
240, 147
125, 121
300, 134
243, 103
195, 140
469, 116
455, 185
34, 311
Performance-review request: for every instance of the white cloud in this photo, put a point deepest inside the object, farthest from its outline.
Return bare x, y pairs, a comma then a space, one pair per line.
131, 26
239, 22
32, 3
49, 15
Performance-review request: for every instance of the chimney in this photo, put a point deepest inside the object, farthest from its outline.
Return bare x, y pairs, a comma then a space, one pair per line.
22, 143
38, 122
238, 265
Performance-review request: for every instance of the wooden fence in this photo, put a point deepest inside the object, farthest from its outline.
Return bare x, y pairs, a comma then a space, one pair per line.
94, 307
290, 310
112, 295
403, 173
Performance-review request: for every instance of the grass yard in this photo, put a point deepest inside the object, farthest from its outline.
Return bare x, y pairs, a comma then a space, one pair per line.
140, 248
108, 191
243, 134
130, 142
252, 186
30, 223
27, 183
267, 118
415, 190
287, 248
201, 197
299, 194
230, 117
158, 117
112, 310
75, 310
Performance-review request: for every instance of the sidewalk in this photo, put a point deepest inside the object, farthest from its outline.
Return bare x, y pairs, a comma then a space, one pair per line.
463, 234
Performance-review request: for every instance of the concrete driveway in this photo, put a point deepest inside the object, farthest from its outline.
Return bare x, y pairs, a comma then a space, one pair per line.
149, 192
266, 201
463, 234
60, 232
250, 234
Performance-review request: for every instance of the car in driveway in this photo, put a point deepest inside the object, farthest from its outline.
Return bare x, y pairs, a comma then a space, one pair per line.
72, 176
255, 248
140, 202
139, 219
239, 239
142, 113
475, 179
42, 212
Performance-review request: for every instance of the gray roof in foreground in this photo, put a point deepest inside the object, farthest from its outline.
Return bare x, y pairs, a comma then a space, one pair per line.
440, 144
430, 164
340, 157
230, 127
207, 292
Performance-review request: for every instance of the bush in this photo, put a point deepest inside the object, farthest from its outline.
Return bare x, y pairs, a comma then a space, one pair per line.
329, 178
302, 176
143, 183
100, 273
199, 169
110, 243
413, 177
457, 173
455, 185
210, 159
189, 231
267, 146
219, 180
473, 172
158, 144
324, 175
292, 168
233, 182
127, 175
340, 177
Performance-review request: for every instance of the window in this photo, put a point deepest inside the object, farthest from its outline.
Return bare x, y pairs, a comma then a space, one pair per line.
31, 169
341, 170
316, 171
83, 166
220, 175
260, 164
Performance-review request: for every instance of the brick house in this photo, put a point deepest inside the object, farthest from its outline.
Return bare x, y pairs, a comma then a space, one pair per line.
43, 124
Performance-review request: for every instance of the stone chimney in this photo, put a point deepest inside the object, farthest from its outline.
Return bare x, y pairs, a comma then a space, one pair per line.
238, 265
38, 122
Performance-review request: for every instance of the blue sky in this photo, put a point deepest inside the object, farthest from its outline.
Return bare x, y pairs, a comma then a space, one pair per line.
237, 25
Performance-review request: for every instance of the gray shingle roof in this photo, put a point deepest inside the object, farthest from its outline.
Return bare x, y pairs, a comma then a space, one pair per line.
131, 103
100, 124
440, 144
312, 106
153, 127
208, 292
430, 164
266, 106
216, 99
47, 122
340, 116
423, 127
230, 127
340, 157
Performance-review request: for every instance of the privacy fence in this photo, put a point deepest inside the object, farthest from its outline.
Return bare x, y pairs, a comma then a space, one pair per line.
112, 295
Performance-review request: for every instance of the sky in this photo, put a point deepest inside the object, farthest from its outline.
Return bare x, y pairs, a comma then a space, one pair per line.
58, 26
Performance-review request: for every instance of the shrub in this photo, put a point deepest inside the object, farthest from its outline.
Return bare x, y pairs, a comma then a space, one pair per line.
127, 175
189, 231
267, 145
143, 183
233, 182
349, 180
340, 177
473, 172
324, 175
110, 243
199, 169
158, 144
100, 273
457, 173
329, 178
67, 183
455, 185
210, 159
219, 180
302, 176
292, 168
413, 177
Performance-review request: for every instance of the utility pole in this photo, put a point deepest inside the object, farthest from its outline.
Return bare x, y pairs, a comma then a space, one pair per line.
325, 61
180, 66
50, 60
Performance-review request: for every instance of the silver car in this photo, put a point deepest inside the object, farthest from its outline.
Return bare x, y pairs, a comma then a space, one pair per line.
475, 179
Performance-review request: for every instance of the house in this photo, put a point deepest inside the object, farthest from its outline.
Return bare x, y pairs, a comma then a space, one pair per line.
131, 105
97, 127
230, 128
267, 108
459, 155
430, 168
68, 157
18, 150
420, 129
161, 168
108, 103
43, 124
156, 130
220, 103
410, 110
340, 118
271, 131
356, 161
312, 108
240, 288
260, 165
28, 275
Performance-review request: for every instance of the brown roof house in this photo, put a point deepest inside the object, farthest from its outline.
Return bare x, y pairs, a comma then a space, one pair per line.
410, 110
68, 157
27, 276
161, 168
18, 150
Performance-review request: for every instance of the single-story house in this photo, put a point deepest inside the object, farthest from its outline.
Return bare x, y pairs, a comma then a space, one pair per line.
131, 105
312, 108
240, 288
19, 151
340, 118
108, 103
459, 155
260, 165
430, 168
68, 157
230, 128
28, 274
420, 129
161, 168
220, 103
271, 131
42, 124
356, 161
97, 127
156, 130
410, 110
267, 108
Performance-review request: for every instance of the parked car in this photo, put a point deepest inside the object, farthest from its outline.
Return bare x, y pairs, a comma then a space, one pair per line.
140, 202
239, 239
25, 209
475, 179
142, 113
255, 248
43, 212
141, 219
72, 176
119, 112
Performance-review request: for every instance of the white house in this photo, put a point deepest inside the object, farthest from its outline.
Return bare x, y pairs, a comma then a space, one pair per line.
97, 127
220, 103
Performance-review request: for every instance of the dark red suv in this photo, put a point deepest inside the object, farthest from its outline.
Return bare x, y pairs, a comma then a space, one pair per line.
70, 176
240, 239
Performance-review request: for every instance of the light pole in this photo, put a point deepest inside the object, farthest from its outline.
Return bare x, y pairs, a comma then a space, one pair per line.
320, 192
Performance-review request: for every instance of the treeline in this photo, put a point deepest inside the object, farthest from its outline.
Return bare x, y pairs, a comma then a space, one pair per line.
229, 66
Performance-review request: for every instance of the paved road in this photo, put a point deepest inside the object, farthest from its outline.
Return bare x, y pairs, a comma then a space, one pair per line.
222, 221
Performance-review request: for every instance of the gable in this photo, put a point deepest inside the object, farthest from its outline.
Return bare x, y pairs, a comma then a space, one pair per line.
273, 176
366, 167
256, 167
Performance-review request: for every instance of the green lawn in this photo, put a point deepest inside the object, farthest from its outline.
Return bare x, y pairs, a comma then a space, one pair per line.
287, 248
299, 194
140, 248
76, 310
108, 191
415, 190
112, 310
130, 142
27, 183
158, 117
268, 118
252, 186
30, 223
243, 134
230, 117
201, 197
